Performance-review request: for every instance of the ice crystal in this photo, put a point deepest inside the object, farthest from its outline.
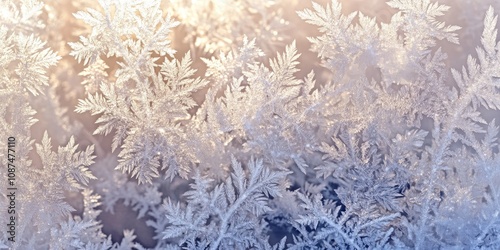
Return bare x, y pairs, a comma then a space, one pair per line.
385, 144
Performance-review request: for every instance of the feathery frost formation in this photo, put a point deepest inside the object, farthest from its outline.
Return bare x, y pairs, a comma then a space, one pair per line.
232, 145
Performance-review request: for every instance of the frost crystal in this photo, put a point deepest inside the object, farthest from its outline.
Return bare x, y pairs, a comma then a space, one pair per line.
375, 138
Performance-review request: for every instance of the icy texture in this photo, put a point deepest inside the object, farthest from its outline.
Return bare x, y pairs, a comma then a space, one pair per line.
232, 145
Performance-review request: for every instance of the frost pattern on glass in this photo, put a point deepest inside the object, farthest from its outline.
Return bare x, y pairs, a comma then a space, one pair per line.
236, 143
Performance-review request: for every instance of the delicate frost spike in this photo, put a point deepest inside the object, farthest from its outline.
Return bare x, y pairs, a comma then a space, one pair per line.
489, 36
433, 9
286, 64
330, 20
301, 163
322, 15
491, 138
71, 165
